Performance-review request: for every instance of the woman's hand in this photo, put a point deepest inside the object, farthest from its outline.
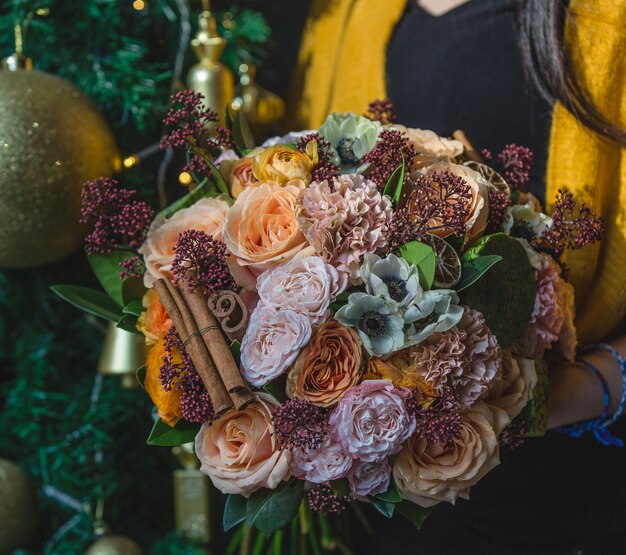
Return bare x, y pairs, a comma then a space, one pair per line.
576, 393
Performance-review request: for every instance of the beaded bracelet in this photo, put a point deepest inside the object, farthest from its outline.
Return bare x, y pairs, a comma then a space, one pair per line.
599, 425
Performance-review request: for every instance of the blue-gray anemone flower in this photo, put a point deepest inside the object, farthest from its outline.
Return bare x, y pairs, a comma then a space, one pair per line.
435, 311
392, 278
379, 322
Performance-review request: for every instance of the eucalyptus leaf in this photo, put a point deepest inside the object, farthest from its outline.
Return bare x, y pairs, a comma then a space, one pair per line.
473, 269
422, 256
90, 300
393, 188
271, 510
416, 514
168, 436
107, 269
135, 308
383, 507
234, 511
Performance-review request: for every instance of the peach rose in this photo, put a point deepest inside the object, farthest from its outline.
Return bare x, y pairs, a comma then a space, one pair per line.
153, 322
166, 402
429, 146
478, 212
427, 473
158, 249
282, 164
238, 451
512, 390
328, 366
261, 230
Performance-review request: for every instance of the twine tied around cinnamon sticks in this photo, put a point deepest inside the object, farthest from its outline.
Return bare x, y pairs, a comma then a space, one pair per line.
204, 341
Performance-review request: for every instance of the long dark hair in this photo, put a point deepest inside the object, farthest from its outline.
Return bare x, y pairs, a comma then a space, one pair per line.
549, 65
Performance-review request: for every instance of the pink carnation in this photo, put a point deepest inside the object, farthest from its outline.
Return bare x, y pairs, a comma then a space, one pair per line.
345, 220
553, 315
371, 420
466, 358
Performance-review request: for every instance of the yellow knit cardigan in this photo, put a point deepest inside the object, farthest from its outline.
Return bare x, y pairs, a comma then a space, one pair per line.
341, 68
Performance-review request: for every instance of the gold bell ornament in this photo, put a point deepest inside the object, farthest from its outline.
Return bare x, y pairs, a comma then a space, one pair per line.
192, 497
122, 354
52, 140
18, 508
107, 543
263, 109
209, 76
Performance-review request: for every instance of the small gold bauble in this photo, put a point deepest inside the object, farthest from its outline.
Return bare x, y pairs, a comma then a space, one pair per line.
52, 140
114, 545
18, 508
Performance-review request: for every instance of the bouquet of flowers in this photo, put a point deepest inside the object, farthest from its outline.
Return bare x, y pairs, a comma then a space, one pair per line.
358, 313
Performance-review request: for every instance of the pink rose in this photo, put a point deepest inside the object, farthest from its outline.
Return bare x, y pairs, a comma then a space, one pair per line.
369, 478
238, 451
238, 174
320, 465
271, 343
158, 249
371, 420
261, 230
304, 285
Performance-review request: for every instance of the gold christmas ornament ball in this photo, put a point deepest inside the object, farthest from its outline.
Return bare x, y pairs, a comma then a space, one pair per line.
18, 508
52, 140
114, 545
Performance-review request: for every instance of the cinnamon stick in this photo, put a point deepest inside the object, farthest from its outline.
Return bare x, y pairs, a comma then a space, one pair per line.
470, 151
187, 329
215, 342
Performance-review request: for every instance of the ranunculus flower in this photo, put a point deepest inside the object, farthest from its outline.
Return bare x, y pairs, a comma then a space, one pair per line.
513, 388
369, 478
478, 212
166, 402
429, 146
371, 421
392, 278
427, 473
282, 164
158, 249
261, 230
272, 341
326, 462
528, 216
153, 322
306, 285
238, 174
238, 451
328, 366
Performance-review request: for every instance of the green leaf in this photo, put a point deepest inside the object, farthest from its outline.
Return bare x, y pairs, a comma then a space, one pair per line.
473, 269
271, 510
235, 349
392, 495
219, 180
141, 376
242, 134
107, 269
128, 322
383, 507
276, 388
132, 289
424, 258
341, 488
416, 514
393, 188
168, 436
90, 300
133, 307
234, 511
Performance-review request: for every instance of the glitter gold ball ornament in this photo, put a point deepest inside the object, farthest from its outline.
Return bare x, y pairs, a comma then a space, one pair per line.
52, 140
114, 545
18, 508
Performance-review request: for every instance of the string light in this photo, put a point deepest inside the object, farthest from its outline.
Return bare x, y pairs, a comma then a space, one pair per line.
185, 179
139, 5
130, 161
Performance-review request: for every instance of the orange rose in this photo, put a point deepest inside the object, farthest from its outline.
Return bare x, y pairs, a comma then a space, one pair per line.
282, 164
167, 402
153, 322
330, 365
261, 230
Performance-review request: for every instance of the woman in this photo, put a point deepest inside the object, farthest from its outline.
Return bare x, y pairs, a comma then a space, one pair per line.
523, 72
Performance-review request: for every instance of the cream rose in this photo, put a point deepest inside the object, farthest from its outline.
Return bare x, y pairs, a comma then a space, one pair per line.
261, 230
238, 451
428, 145
512, 390
427, 473
158, 249
478, 212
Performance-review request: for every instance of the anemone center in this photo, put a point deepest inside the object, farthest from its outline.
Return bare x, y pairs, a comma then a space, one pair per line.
346, 152
397, 288
373, 323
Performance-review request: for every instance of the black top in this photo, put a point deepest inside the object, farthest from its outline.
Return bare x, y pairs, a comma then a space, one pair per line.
552, 495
